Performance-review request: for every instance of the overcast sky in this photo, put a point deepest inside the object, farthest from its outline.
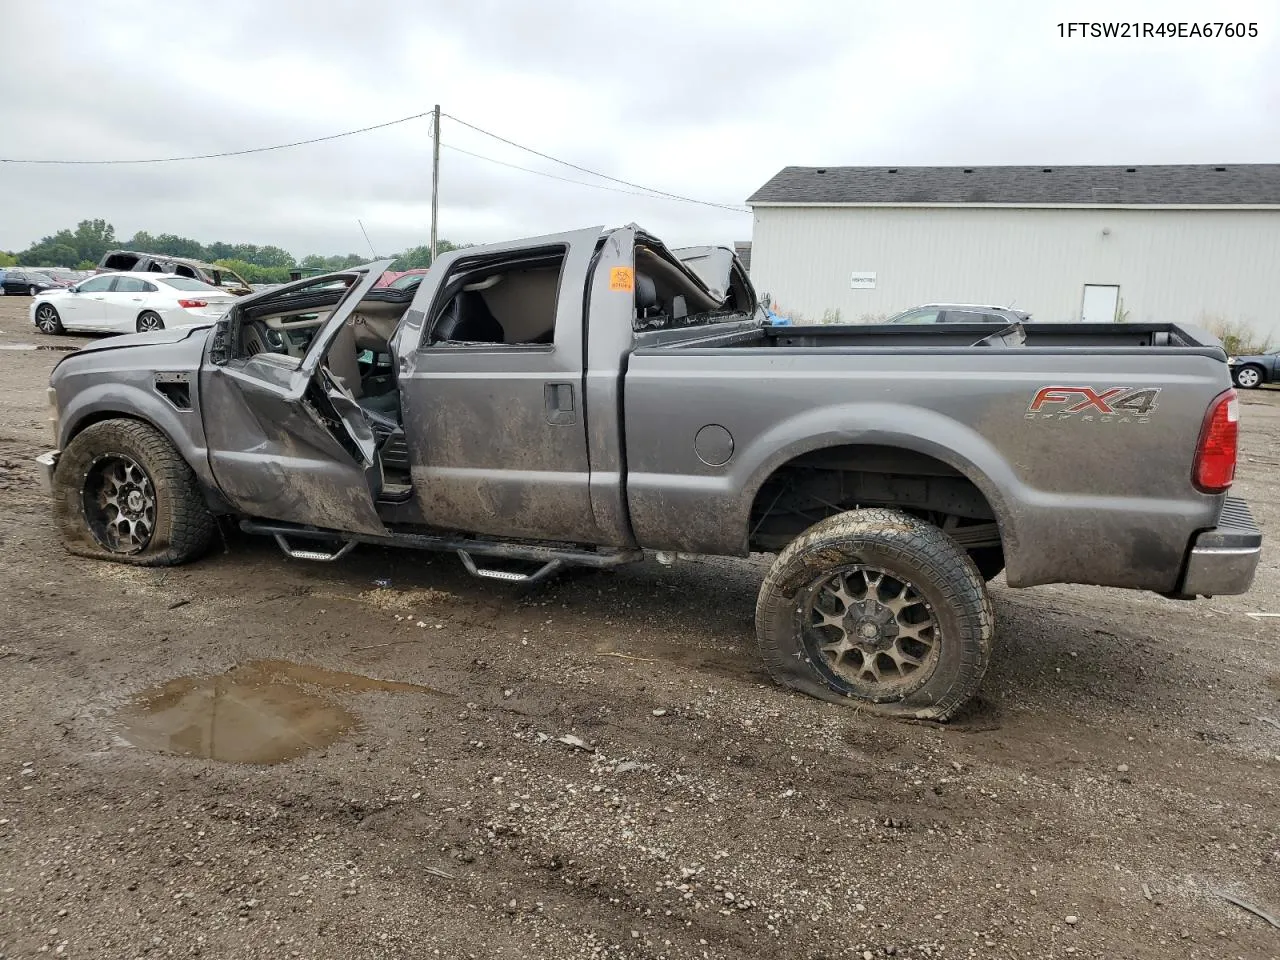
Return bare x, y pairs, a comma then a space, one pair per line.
700, 98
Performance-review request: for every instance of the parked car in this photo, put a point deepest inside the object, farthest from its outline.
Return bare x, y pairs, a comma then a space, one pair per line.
1256, 369
63, 275
128, 303
577, 398
960, 313
30, 282
131, 261
401, 279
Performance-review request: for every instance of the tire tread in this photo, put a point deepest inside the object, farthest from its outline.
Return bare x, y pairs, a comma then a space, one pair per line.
913, 542
190, 527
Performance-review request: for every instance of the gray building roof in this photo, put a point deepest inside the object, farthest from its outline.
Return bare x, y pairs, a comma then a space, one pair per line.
1249, 183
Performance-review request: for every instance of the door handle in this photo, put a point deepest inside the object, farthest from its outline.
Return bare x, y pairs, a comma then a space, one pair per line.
559, 402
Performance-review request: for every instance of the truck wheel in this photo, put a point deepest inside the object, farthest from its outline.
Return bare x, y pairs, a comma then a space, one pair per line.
877, 609
122, 492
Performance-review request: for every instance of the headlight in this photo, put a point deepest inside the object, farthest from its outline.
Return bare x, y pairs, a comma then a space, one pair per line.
52, 395
1232, 360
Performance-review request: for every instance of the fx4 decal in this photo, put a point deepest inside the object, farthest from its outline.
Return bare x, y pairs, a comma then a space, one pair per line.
1108, 405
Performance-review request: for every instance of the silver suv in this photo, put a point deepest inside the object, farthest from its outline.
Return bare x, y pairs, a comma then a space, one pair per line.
960, 313
131, 261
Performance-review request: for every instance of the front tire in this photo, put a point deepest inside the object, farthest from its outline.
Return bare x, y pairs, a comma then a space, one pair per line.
122, 492
47, 319
149, 320
877, 609
1248, 377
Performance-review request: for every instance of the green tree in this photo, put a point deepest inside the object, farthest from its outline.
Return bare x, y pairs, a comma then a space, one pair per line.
417, 257
8, 259
93, 238
176, 246
255, 273
259, 264
312, 261
142, 241
273, 257
55, 251
89, 241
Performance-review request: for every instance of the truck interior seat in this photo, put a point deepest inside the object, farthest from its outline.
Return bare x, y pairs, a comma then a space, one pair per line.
647, 303
468, 319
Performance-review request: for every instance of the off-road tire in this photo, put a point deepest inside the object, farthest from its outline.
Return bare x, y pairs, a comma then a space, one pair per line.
183, 524
909, 548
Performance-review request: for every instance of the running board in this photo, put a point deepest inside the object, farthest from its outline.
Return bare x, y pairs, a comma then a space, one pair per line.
550, 557
544, 571
320, 555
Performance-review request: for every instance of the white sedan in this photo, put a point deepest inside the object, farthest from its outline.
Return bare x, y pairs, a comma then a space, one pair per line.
129, 302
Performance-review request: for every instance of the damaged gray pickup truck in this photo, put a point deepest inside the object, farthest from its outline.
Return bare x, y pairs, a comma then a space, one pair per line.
574, 399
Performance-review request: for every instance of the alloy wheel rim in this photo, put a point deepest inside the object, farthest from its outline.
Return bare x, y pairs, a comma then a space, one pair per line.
119, 503
46, 319
1248, 378
870, 631
149, 322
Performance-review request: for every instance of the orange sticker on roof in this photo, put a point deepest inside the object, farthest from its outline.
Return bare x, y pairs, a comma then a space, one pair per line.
622, 278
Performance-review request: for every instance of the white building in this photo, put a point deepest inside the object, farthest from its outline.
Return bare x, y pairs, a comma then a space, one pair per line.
1183, 244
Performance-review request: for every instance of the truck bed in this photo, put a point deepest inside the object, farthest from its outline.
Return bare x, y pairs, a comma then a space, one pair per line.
1040, 427
1039, 337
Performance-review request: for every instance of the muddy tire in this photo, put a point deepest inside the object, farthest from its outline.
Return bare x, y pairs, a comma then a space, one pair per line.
877, 610
122, 492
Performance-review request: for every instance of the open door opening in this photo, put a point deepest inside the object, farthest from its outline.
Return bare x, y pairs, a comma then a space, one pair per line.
356, 386
289, 438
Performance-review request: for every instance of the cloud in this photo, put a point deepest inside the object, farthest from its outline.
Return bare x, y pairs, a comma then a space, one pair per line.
706, 100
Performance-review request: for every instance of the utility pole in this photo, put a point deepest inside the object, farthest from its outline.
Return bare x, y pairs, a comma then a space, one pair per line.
435, 177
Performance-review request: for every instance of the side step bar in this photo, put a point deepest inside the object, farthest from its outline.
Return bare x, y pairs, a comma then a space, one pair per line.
551, 558
544, 571
321, 555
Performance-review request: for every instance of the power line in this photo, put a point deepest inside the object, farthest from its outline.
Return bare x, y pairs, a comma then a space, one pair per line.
579, 183
228, 153
639, 189
594, 173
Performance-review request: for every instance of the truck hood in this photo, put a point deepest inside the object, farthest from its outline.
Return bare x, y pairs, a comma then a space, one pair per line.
152, 339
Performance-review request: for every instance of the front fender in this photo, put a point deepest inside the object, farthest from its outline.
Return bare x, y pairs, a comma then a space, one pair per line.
133, 395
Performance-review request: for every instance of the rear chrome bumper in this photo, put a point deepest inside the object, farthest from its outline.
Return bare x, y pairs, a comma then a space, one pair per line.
1223, 560
46, 463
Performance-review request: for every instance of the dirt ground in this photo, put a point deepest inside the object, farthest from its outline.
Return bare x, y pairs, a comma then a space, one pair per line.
1117, 777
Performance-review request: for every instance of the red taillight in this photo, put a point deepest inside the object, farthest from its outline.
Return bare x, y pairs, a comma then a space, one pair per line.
1216, 452
193, 303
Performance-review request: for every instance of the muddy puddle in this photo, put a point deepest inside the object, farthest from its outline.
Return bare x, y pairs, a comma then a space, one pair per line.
265, 711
